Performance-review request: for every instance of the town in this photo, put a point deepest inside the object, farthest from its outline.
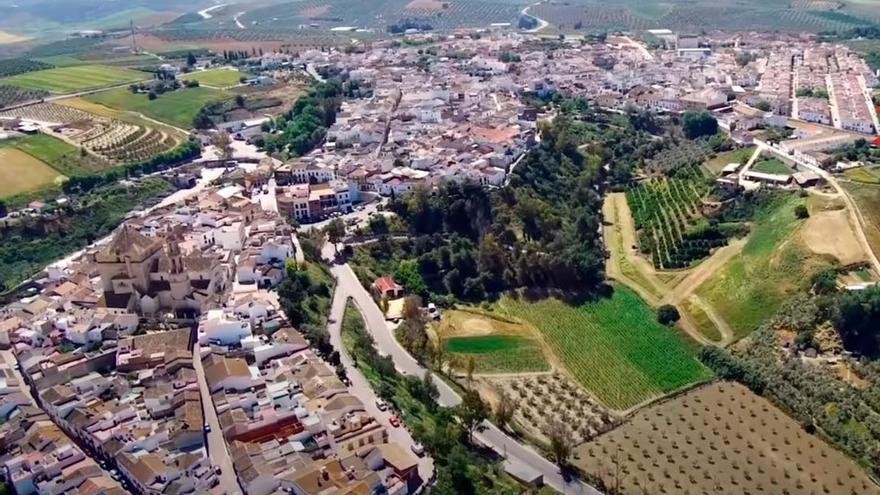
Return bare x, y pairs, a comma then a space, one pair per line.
338, 234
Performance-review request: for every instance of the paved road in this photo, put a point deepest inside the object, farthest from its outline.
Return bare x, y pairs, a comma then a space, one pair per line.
361, 389
541, 22
854, 212
215, 443
347, 285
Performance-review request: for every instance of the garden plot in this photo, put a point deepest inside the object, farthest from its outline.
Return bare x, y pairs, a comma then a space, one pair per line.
719, 439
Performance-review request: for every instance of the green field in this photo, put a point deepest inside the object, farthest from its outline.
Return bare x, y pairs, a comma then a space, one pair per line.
177, 108
867, 175
614, 347
75, 78
773, 264
716, 164
499, 353
702, 321
771, 166
22, 173
216, 78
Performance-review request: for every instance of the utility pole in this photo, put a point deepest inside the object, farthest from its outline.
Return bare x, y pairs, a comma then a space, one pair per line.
134, 47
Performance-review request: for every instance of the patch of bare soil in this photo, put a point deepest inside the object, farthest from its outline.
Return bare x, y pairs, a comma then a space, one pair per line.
316, 11
829, 232
426, 6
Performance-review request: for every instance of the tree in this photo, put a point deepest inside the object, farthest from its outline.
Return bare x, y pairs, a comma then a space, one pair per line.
858, 320
471, 367
335, 232
824, 281
190, 59
472, 412
667, 314
152, 95
801, 211
3, 209
504, 410
698, 124
560, 441
763, 105
239, 100
223, 143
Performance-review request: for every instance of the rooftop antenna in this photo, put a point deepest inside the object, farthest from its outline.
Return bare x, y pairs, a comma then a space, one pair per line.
134, 46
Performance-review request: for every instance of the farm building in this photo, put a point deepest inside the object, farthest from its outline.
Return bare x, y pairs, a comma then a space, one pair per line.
386, 287
808, 178
771, 179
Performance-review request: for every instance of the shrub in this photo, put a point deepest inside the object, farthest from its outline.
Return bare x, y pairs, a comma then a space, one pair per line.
801, 211
667, 314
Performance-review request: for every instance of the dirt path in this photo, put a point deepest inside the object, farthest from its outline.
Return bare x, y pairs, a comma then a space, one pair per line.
702, 272
631, 269
727, 334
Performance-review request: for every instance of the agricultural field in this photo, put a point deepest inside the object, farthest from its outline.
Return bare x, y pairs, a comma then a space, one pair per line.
771, 166
15, 66
867, 199
12, 95
719, 439
684, 156
496, 345
177, 108
613, 347
216, 78
542, 398
702, 321
498, 353
667, 215
109, 140
379, 14
865, 175
774, 264
596, 15
715, 164
22, 173
75, 78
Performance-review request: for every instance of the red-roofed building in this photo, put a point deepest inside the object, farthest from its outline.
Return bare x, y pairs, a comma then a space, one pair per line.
876, 141
386, 287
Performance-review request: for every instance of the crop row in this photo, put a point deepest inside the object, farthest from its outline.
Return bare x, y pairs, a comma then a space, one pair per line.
13, 95
14, 66
725, 17
666, 212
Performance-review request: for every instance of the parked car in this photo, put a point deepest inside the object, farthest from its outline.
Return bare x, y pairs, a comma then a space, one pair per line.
207, 428
394, 421
418, 449
381, 405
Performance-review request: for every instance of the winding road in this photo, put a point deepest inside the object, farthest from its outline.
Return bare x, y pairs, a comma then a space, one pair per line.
348, 286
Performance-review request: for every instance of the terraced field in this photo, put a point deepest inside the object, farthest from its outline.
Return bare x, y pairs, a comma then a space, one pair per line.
75, 78
613, 347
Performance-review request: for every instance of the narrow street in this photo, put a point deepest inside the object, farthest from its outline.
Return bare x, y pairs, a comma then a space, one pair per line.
347, 285
215, 444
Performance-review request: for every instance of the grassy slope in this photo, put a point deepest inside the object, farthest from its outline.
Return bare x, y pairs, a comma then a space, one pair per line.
614, 347
218, 78
867, 198
23, 253
773, 264
75, 78
741, 156
177, 108
771, 166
